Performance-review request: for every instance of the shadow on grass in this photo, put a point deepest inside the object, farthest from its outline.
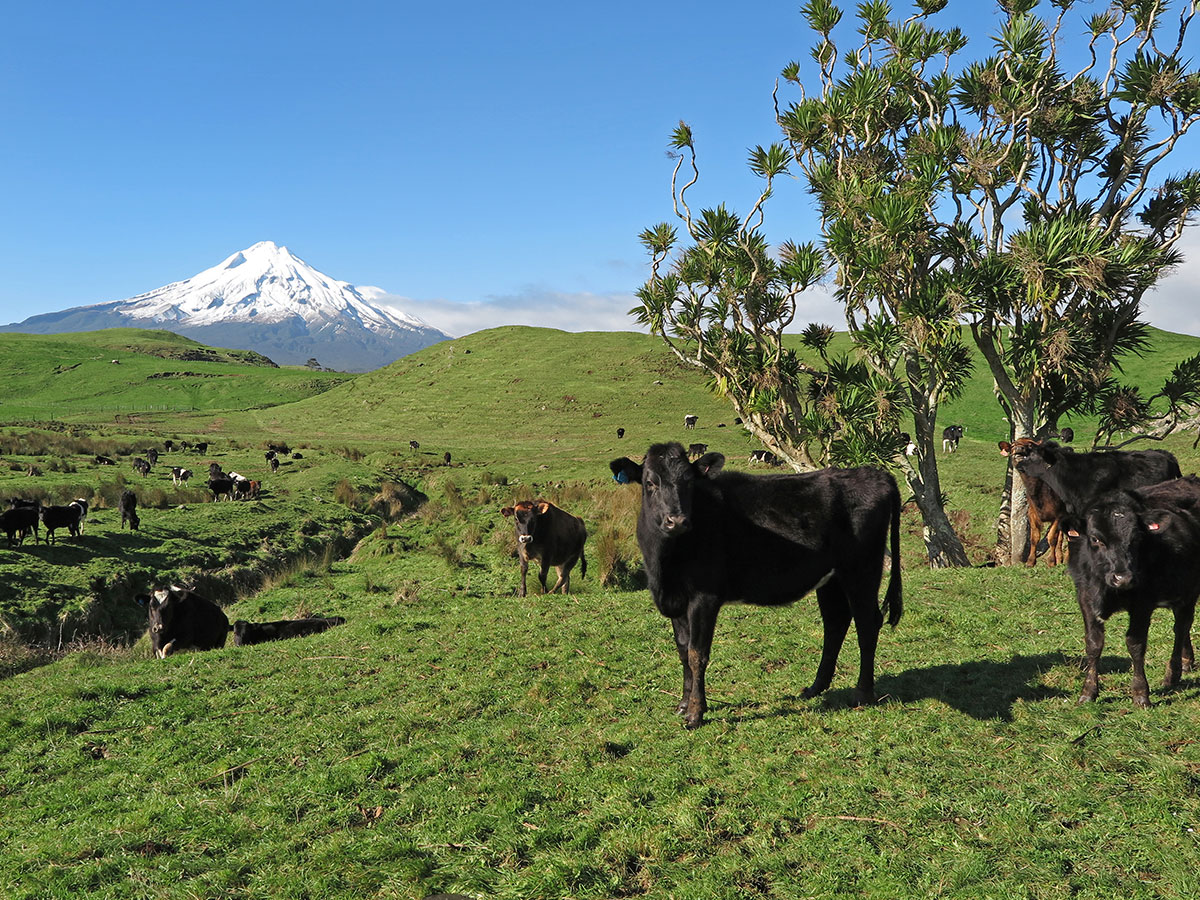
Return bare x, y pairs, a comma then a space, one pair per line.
983, 689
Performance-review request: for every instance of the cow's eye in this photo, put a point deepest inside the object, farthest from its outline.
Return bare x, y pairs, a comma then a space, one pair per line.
1097, 543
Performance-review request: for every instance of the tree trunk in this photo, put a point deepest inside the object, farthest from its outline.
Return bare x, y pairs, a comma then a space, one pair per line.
1013, 544
941, 542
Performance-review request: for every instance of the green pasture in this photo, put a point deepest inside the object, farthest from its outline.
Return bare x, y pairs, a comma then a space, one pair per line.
451, 737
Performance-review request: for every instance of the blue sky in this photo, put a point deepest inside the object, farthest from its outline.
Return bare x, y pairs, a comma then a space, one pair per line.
488, 162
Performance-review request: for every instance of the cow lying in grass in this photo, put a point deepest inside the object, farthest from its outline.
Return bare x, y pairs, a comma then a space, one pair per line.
180, 619
246, 633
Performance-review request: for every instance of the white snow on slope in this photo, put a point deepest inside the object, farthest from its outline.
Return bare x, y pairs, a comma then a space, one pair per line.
266, 283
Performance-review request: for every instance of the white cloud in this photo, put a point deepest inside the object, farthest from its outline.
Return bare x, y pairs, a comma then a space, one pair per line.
1175, 304
578, 311
581, 311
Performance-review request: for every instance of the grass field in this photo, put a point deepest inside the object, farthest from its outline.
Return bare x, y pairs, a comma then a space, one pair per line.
450, 737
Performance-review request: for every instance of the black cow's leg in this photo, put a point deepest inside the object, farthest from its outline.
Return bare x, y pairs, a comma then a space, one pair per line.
835, 616
703, 620
867, 621
1093, 638
524, 572
679, 625
542, 574
1135, 640
1182, 657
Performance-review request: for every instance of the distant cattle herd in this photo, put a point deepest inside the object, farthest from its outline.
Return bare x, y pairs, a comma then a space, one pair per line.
1126, 523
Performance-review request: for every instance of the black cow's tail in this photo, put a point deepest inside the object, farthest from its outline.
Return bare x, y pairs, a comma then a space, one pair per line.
582, 564
893, 602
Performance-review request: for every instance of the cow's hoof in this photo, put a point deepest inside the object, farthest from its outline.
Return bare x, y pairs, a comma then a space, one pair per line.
1141, 702
864, 698
681, 709
692, 722
811, 691
1086, 697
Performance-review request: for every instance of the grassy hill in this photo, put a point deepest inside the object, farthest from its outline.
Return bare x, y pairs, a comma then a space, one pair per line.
101, 375
452, 737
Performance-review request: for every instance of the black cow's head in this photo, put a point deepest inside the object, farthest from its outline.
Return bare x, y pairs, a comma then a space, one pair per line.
164, 606
1111, 535
667, 478
525, 516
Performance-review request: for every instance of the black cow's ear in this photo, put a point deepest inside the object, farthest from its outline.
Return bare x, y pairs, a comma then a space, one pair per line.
626, 470
542, 507
1158, 520
710, 464
142, 599
506, 511
1072, 527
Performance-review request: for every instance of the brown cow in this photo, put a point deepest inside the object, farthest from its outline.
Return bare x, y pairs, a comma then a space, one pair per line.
1044, 506
550, 535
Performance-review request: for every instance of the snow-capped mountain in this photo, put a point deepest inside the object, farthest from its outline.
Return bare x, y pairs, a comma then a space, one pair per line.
263, 298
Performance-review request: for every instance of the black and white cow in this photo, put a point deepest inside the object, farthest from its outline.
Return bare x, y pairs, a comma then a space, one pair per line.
180, 619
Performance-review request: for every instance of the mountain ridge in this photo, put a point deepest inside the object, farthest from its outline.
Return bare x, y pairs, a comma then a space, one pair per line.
265, 299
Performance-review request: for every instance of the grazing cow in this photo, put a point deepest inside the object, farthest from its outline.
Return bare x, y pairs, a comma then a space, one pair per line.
551, 535
413, 445
141, 466
689, 421
274, 465
1066, 435
1136, 550
180, 475
152, 456
214, 470
279, 448
19, 519
168, 446
55, 517
180, 619
951, 435
246, 633
764, 456
185, 445
1078, 478
709, 538
221, 486
620, 433
270, 455
105, 460
297, 455
446, 458
697, 449
1044, 507
201, 447
128, 507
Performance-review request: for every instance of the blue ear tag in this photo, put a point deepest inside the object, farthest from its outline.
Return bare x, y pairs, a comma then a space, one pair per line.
621, 478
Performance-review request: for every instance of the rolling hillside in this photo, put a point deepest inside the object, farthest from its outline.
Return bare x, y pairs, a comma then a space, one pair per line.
95, 376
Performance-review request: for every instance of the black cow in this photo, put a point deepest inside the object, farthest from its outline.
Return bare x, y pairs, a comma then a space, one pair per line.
710, 538
1078, 478
446, 458
413, 445
19, 519
220, 486
551, 535
274, 465
180, 619
246, 633
689, 421
1067, 435
270, 455
141, 467
620, 433
168, 446
697, 449
185, 445
201, 447
1136, 550
951, 435
297, 455
152, 456
214, 470
68, 517
128, 507
280, 448
105, 460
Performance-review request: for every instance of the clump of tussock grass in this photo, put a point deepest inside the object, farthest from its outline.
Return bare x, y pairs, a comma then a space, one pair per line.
347, 494
351, 453
395, 500
494, 478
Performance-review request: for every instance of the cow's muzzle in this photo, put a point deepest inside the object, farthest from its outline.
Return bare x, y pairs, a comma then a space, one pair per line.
676, 524
524, 538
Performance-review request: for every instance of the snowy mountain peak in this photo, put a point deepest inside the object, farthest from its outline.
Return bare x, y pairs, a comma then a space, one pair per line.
265, 283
